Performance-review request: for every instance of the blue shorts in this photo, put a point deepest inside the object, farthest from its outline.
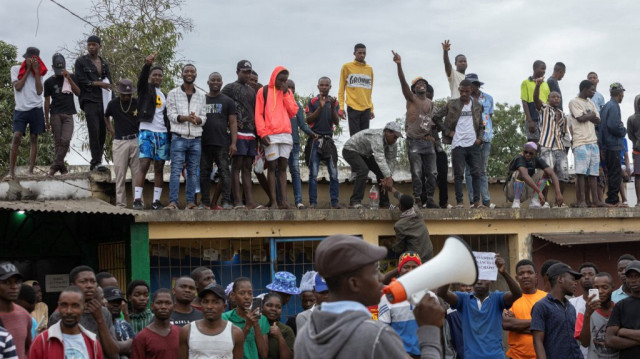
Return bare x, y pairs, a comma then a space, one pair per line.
246, 147
587, 159
34, 118
153, 145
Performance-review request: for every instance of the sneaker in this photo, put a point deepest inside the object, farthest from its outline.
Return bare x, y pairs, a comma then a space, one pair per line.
458, 206
355, 206
546, 205
157, 205
392, 207
226, 206
431, 204
535, 203
480, 206
492, 205
300, 206
203, 207
516, 204
449, 206
137, 204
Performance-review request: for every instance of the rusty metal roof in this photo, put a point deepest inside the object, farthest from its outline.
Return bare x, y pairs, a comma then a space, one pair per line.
86, 206
577, 238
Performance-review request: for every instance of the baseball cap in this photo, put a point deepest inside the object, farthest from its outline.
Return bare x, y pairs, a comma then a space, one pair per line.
561, 268
113, 293
59, 63
341, 253
415, 81
320, 284
126, 87
244, 65
395, 127
633, 266
31, 52
215, 289
473, 78
8, 270
616, 86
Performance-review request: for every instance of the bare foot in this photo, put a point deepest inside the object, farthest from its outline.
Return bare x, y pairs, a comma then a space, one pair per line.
284, 205
275, 206
582, 205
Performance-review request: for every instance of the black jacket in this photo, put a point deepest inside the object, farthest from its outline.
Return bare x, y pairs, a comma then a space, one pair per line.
147, 98
86, 73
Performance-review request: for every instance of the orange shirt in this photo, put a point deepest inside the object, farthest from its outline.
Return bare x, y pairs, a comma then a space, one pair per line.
520, 344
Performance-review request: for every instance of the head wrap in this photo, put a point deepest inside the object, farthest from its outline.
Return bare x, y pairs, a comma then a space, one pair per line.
531, 145
408, 257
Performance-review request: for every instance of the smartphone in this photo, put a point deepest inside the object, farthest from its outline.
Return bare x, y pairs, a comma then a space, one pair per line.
256, 304
596, 292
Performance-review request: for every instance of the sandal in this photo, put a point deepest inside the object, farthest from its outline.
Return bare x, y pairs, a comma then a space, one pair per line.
191, 206
171, 206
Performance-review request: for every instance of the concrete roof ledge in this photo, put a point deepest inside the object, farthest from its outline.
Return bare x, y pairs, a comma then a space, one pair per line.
318, 215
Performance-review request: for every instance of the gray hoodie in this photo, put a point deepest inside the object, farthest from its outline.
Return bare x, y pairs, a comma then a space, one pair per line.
633, 125
352, 334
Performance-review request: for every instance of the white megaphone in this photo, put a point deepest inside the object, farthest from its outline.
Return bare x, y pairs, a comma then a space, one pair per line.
454, 264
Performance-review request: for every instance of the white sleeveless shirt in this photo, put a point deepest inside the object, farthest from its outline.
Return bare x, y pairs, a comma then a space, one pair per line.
218, 346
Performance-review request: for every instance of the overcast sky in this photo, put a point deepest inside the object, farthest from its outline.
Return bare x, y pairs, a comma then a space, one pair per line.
501, 39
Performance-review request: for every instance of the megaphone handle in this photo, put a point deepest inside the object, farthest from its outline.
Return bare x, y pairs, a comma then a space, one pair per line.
417, 297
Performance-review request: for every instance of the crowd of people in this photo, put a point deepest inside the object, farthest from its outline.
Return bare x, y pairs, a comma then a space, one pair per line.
344, 314
245, 126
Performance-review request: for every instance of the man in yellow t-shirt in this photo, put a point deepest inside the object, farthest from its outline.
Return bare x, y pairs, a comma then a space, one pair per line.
518, 320
532, 126
356, 79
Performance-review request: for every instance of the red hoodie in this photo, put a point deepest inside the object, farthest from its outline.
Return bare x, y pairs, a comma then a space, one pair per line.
274, 118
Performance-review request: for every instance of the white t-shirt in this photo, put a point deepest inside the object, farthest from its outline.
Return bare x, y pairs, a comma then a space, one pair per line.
27, 98
465, 134
157, 125
454, 82
75, 346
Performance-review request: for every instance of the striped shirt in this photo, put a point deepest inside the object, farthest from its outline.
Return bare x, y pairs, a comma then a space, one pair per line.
552, 129
7, 348
140, 320
18, 323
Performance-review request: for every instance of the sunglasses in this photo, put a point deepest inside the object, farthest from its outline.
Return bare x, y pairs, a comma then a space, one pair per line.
529, 153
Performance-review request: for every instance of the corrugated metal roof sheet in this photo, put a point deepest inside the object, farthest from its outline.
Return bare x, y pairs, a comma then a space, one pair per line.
577, 238
87, 206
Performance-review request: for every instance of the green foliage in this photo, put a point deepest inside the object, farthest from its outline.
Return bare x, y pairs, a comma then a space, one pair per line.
133, 29
508, 138
8, 54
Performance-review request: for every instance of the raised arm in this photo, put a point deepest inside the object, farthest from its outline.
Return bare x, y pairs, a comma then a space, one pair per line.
449, 296
446, 46
406, 90
536, 93
514, 288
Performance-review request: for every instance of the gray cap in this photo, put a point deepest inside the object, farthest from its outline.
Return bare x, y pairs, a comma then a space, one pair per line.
395, 127
341, 253
632, 266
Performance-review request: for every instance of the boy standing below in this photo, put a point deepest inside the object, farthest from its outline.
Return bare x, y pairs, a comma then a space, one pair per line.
532, 128
187, 114
420, 142
274, 110
27, 88
322, 116
356, 78
59, 109
219, 136
124, 111
454, 77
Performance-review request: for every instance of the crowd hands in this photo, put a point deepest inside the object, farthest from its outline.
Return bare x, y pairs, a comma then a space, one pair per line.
200, 318
246, 127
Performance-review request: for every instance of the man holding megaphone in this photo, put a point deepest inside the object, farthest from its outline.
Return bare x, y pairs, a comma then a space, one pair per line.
481, 313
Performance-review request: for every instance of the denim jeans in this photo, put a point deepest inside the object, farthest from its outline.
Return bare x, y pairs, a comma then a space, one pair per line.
361, 166
219, 155
484, 184
422, 161
184, 150
470, 157
294, 169
314, 164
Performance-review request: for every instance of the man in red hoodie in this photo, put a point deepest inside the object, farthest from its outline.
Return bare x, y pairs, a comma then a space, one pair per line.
67, 338
275, 105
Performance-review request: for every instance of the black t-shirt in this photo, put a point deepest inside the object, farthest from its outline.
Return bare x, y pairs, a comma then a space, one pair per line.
216, 129
245, 100
324, 123
124, 123
181, 319
626, 314
530, 165
61, 103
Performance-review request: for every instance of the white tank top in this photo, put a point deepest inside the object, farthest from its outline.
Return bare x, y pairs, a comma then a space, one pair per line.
218, 346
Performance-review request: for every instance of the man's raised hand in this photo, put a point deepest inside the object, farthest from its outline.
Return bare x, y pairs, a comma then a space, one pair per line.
446, 46
396, 58
149, 59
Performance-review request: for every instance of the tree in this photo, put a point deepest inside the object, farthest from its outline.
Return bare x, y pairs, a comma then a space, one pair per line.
8, 54
130, 30
508, 138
